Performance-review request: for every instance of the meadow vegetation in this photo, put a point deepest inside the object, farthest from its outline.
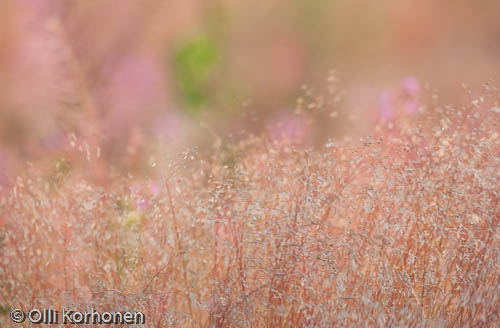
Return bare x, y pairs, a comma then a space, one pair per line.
396, 229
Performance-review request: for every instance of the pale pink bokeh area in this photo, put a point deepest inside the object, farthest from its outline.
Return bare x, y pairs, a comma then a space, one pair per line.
136, 90
385, 105
412, 88
400, 100
275, 66
291, 128
170, 126
108, 72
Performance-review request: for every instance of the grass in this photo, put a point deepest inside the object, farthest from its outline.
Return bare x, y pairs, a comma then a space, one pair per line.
400, 229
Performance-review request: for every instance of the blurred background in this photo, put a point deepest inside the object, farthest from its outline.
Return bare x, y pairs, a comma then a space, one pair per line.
130, 75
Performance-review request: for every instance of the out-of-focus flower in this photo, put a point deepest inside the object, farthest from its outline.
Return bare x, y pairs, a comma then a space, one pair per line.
403, 101
411, 85
142, 203
135, 88
291, 128
154, 189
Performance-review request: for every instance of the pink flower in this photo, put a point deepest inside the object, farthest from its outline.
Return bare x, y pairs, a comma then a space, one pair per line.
412, 86
289, 127
142, 204
154, 189
136, 89
411, 106
405, 99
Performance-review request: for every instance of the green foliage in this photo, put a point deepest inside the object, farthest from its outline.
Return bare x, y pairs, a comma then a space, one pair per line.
4, 309
123, 205
195, 62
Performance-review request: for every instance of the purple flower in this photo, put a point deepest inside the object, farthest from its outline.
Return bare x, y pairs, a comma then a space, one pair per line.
412, 86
